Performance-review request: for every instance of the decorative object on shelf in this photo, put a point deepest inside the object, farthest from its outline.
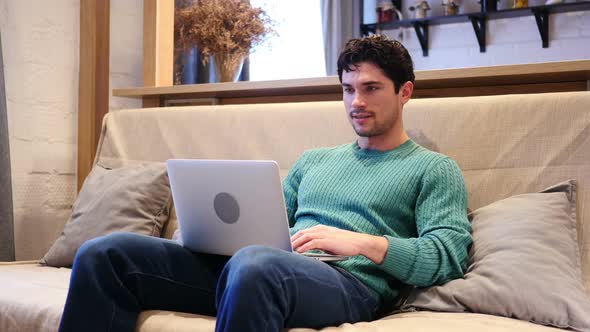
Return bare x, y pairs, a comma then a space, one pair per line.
387, 12
553, 2
521, 3
223, 29
420, 9
478, 20
450, 7
488, 5
227, 66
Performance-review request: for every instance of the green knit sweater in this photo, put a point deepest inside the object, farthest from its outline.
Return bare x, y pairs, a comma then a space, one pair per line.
414, 197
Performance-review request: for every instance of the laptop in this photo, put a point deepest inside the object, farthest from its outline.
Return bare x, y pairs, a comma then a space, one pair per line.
225, 205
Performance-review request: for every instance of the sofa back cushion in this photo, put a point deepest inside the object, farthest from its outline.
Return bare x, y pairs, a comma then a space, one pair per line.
505, 145
513, 144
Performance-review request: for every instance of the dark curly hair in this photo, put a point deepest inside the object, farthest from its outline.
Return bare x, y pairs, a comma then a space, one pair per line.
389, 55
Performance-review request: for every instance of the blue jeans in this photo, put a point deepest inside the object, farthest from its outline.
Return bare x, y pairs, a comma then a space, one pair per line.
117, 276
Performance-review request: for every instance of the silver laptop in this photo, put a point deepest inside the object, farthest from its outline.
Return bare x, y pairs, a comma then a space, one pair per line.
225, 205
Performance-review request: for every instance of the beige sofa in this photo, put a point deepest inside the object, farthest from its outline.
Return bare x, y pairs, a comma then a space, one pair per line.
505, 145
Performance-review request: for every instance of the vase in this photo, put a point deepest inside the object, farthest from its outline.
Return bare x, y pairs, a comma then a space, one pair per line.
227, 66
521, 3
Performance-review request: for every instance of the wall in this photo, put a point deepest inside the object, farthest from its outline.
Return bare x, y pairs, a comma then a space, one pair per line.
509, 41
41, 62
40, 45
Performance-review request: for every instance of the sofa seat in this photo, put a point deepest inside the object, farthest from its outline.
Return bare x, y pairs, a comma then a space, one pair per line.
34, 295
152, 321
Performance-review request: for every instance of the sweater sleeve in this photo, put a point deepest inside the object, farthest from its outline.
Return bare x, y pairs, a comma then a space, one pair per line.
291, 188
440, 252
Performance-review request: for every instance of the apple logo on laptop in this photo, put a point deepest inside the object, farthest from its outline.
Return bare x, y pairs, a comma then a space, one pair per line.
226, 207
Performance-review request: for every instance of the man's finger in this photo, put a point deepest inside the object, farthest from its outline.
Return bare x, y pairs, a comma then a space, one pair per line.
307, 237
312, 230
310, 245
303, 238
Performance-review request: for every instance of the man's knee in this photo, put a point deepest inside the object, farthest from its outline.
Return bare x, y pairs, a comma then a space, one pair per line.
99, 247
255, 264
257, 256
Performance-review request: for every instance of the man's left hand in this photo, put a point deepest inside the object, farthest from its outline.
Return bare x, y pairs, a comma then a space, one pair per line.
340, 242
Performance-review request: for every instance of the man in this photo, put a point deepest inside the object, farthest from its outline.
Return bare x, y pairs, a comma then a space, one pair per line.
396, 208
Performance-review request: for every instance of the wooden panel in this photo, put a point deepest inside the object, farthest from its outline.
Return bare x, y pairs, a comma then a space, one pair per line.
281, 99
500, 90
93, 98
158, 42
151, 102
429, 83
418, 93
239, 89
565, 71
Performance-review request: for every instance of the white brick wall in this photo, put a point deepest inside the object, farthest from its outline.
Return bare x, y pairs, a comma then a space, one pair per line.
509, 41
40, 43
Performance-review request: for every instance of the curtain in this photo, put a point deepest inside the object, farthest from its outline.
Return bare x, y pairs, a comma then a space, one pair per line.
6, 213
341, 21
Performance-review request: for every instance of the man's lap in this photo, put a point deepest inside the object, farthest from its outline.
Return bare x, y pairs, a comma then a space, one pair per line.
164, 275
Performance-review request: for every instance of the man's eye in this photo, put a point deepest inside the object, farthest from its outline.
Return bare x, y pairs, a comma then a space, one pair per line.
348, 90
372, 88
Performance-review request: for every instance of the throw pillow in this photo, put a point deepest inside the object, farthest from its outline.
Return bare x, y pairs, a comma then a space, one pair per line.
524, 263
132, 198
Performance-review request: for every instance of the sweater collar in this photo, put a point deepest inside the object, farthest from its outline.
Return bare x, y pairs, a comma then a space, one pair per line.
400, 150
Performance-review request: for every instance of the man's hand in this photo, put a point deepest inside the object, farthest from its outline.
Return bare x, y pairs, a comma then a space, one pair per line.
340, 242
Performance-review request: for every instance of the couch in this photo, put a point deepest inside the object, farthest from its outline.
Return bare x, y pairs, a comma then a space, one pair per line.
505, 145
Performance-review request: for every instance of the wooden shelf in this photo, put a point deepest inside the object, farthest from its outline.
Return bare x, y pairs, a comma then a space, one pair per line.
479, 19
238, 89
526, 78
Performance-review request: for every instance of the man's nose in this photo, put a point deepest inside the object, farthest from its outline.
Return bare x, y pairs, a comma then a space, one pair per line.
358, 102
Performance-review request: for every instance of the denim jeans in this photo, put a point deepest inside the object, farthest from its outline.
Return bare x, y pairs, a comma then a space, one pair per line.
259, 288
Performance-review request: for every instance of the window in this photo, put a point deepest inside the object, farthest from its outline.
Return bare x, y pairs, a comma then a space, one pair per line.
298, 50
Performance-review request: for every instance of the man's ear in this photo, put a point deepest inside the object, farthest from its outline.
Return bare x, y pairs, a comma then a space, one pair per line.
405, 91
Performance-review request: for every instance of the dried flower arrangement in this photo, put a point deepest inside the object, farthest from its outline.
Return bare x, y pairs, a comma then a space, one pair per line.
225, 29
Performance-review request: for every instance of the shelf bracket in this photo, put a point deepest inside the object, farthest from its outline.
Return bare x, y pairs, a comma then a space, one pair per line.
368, 28
422, 33
479, 27
542, 18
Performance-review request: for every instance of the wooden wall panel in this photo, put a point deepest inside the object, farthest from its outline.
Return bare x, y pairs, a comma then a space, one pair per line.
93, 97
158, 42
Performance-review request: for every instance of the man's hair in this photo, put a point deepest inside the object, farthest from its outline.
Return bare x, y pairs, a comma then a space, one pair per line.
389, 55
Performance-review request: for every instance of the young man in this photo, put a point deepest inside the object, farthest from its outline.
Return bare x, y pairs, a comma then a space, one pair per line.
398, 209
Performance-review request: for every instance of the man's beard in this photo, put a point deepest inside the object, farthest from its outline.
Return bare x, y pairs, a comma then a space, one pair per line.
376, 130
370, 133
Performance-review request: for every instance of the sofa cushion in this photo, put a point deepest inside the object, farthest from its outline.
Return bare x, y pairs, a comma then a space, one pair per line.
134, 198
33, 297
524, 263
156, 320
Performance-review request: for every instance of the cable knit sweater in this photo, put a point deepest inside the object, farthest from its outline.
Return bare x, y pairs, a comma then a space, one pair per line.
414, 197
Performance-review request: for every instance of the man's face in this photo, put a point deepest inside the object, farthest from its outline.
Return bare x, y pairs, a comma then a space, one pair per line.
370, 100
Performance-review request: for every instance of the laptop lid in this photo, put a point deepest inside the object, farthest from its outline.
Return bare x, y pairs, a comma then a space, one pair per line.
224, 205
